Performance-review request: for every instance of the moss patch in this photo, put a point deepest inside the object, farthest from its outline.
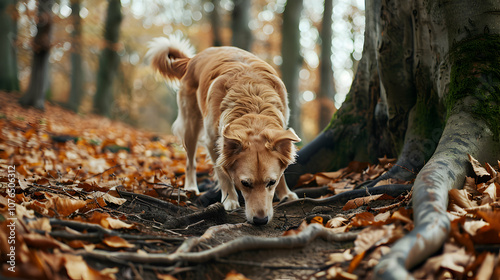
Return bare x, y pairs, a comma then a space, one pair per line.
475, 76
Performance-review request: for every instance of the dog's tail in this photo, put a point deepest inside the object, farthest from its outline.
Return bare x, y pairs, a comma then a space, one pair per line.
170, 56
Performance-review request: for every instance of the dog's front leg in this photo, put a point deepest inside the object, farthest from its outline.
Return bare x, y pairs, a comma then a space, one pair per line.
283, 192
229, 195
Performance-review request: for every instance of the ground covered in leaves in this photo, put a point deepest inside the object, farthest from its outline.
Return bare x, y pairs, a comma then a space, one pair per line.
82, 197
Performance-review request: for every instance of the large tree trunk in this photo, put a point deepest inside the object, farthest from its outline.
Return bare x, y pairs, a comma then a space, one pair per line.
8, 34
292, 60
429, 82
39, 80
458, 44
76, 91
242, 35
109, 60
326, 87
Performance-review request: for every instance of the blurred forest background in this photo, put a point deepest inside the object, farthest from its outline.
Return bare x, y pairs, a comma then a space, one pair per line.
95, 52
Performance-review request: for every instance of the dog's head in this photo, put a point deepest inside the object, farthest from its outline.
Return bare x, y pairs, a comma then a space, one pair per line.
255, 164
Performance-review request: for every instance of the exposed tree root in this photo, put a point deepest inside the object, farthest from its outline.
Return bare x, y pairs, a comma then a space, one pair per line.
446, 169
96, 233
306, 236
341, 198
213, 212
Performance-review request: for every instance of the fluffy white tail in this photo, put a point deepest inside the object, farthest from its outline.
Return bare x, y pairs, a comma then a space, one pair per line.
170, 56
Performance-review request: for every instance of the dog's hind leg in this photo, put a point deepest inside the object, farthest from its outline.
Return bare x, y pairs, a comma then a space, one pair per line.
187, 127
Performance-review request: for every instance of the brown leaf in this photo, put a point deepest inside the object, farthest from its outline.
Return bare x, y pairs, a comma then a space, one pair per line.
117, 242
487, 267
165, 276
336, 222
233, 275
356, 261
480, 171
337, 273
77, 268
376, 236
491, 170
461, 198
360, 201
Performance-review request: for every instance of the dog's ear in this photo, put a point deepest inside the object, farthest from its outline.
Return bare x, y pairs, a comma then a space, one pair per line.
232, 146
283, 143
229, 147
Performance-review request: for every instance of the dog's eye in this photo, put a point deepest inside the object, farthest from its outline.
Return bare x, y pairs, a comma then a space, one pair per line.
271, 183
246, 184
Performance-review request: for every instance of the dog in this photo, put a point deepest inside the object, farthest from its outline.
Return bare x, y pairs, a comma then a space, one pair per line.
237, 105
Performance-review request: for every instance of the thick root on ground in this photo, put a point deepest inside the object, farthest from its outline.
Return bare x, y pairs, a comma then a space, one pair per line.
306, 236
446, 169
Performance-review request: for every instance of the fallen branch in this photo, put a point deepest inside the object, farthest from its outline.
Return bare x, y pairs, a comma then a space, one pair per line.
306, 236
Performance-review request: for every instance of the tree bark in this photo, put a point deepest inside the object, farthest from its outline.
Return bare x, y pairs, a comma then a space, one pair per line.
109, 60
39, 80
292, 60
429, 83
467, 80
76, 91
326, 88
9, 80
242, 35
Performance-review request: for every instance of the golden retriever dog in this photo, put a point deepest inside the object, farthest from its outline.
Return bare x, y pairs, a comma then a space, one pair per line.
236, 105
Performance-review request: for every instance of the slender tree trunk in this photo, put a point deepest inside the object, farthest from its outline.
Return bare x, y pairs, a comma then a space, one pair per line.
39, 80
242, 35
215, 21
109, 60
76, 91
292, 60
8, 35
327, 88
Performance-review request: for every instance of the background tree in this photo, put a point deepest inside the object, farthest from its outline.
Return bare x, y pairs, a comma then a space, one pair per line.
242, 35
216, 22
292, 60
8, 35
326, 86
109, 60
427, 89
77, 78
39, 80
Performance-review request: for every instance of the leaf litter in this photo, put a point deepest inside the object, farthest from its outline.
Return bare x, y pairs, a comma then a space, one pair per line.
88, 184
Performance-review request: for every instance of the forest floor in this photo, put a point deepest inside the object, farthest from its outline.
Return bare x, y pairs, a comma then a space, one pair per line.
83, 197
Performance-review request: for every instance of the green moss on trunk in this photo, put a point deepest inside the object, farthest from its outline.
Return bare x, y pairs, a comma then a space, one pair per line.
475, 79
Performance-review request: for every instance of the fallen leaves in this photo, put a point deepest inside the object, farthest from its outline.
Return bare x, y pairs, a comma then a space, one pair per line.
71, 178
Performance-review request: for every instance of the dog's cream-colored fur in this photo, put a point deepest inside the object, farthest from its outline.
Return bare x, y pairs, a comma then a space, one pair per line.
236, 104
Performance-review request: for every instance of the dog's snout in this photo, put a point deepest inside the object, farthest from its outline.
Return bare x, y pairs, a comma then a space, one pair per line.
260, 221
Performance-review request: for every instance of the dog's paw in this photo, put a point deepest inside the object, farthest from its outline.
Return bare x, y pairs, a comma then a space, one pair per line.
193, 189
289, 196
231, 204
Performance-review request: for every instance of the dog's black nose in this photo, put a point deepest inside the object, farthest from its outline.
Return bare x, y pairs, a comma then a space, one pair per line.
260, 221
